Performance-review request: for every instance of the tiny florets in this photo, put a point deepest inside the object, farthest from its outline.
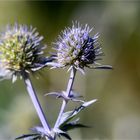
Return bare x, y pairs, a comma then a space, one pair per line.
20, 50
75, 48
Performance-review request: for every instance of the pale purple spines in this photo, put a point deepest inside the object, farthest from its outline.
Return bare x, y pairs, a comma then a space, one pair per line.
76, 48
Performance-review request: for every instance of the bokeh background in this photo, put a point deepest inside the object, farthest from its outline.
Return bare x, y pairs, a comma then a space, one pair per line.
116, 115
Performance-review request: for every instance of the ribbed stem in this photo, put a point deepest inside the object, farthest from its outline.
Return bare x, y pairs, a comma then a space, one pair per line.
36, 102
68, 91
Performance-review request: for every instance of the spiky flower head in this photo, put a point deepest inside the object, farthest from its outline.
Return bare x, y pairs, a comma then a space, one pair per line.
75, 48
20, 51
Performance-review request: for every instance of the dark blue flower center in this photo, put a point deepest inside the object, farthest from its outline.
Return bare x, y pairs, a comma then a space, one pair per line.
88, 52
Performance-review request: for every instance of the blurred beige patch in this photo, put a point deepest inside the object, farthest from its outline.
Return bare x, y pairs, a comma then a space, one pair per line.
127, 128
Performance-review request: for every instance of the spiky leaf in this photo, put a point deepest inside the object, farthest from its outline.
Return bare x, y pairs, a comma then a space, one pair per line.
68, 116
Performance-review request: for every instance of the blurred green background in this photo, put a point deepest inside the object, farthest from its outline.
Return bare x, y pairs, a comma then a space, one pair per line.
116, 115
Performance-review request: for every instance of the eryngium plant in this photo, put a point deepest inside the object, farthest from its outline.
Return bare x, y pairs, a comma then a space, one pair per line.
21, 52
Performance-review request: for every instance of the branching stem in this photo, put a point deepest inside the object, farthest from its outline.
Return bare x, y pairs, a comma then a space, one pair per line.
68, 91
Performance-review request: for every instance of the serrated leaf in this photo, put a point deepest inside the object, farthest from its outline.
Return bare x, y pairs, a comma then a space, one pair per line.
66, 117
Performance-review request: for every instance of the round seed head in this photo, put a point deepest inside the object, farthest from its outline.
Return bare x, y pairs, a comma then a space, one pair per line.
76, 48
20, 50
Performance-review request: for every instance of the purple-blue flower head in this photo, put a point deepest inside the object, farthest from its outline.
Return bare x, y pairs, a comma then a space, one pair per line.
21, 50
76, 48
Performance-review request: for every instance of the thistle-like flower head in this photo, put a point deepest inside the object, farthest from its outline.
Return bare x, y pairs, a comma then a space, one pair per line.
75, 48
20, 51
